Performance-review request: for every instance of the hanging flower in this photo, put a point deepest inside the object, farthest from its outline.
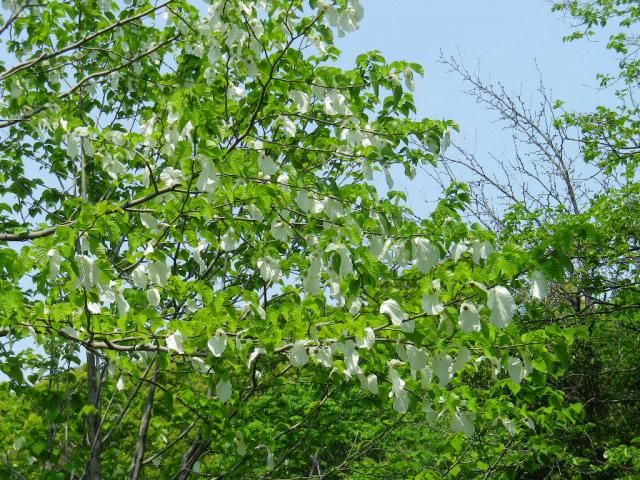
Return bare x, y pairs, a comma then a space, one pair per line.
469, 319
218, 343
269, 269
539, 285
300, 101
502, 306
54, 263
393, 310
223, 390
175, 342
171, 177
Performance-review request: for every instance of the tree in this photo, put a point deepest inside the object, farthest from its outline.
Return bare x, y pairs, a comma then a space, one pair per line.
199, 264
571, 190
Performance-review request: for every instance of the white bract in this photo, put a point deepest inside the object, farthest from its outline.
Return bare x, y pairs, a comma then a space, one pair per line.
229, 241
107, 294
529, 423
408, 326
223, 390
54, 263
462, 422
70, 331
515, 369
88, 272
153, 297
281, 231
509, 425
308, 204
208, 178
120, 383
431, 304
369, 382
283, 179
388, 178
149, 221
393, 310
426, 375
73, 145
288, 126
300, 101
255, 213
464, 355
333, 208
346, 266
269, 269
122, 305
312, 281
335, 103
93, 308
442, 366
458, 250
254, 355
159, 272
424, 253
170, 177
417, 358
298, 355
218, 343
502, 306
539, 285
199, 365
379, 248
113, 167
398, 393
367, 340
480, 251
241, 446
469, 319
409, 81
355, 304
324, 355
197, 255
351, 358
139, 277
175, 342
266, 164
148, 251
85, 244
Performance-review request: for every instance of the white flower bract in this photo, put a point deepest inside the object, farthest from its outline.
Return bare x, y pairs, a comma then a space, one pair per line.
300, 101
515, 369
431, 304
395, 312
539, 285
269, 269
224, 390
218, 343
298, 356
502, 306
153, 297
171, 177
469, 319
175, 342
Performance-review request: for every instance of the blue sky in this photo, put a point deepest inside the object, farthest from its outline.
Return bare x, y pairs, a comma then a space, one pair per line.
503, 40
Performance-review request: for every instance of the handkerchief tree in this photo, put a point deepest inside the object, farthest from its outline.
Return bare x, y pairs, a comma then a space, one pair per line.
198, 223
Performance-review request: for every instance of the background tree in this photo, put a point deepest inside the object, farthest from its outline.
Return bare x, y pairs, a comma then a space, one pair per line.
570, 190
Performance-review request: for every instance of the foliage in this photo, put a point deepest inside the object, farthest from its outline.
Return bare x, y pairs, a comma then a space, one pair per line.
202, 274
570, 197
609, 134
